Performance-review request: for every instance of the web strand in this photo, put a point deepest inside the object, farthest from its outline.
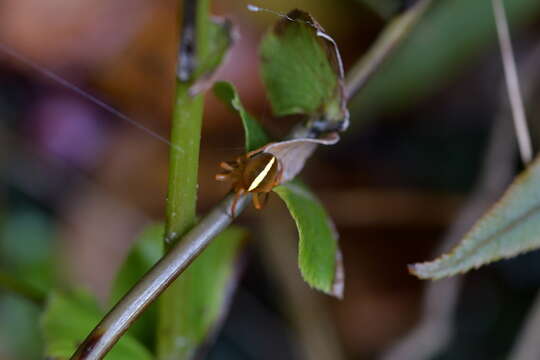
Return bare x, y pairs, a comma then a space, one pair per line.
68, 85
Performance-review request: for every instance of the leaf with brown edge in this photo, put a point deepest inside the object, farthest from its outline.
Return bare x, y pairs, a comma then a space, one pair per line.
511, 227
319, 257
293, 154
302, 70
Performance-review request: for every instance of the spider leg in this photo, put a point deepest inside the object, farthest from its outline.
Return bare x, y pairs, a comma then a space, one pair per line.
252, 153
237, 196
265, 195
256, 201
222, 177
227, 165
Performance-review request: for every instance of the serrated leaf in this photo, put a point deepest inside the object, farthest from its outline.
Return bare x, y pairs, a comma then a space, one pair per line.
510, 228
207, 286
318, 254
302, 69
146, 251
255, 136
69, 318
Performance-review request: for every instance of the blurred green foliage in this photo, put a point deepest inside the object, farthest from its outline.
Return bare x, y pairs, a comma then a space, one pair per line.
26, 255
69, 318
450, 36
385, 8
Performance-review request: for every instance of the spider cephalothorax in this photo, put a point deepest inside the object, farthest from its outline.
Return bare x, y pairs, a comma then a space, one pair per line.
256, 172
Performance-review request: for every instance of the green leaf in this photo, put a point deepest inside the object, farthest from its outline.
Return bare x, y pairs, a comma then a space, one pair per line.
27, 273
206, 287
26, 248
254, 133
146, 251
301, 69
318, 256
510, 228
19, 329
69, 318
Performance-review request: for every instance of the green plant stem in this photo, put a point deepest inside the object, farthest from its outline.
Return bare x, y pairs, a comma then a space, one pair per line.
183, 168
181, 205
184, 162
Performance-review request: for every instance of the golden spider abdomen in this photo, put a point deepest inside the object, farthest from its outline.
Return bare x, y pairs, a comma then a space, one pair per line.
260, 173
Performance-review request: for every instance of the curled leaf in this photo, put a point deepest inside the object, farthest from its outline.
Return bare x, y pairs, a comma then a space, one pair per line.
510, 228
254, 133
293, 154
303, 71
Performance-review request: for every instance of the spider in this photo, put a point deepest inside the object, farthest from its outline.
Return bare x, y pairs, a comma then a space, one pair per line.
256, 172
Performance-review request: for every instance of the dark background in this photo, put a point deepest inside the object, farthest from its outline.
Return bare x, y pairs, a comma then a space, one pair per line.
79, 182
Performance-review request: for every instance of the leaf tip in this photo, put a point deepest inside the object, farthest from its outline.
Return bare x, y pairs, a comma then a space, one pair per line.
414, 270
338, 286
432, 270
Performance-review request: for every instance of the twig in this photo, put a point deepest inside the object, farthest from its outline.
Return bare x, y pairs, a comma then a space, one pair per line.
153, 283
512, 82
391, 37
118, 320
526, 347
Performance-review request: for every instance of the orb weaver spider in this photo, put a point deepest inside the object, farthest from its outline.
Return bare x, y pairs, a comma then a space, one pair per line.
256, 172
